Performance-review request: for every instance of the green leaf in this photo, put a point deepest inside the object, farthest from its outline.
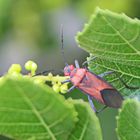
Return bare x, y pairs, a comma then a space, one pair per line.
115, 40
88, 127
31, 111
128, 125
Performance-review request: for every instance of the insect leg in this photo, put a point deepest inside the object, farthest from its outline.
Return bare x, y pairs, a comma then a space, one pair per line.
91, 103
70, 89
66, 81
100, 110
106, 73
77, 64
43, 73
111, 72
127, 86
48, 71
86, 62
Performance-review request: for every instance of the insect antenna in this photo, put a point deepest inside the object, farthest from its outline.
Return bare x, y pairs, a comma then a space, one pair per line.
62, 46
48, 71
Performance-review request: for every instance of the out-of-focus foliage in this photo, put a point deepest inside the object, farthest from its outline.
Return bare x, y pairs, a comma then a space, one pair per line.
130, 7
5, 6
30, 21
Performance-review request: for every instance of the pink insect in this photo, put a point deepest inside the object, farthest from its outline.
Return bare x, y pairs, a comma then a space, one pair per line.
91, 84
94, 86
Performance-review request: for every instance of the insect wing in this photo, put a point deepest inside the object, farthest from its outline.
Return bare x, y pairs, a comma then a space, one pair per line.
112, 98
100, 90
91, 85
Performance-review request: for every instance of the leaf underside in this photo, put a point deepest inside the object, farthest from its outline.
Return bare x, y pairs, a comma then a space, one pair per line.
34, 112
128, 125
28, 111
88, 127
115, 40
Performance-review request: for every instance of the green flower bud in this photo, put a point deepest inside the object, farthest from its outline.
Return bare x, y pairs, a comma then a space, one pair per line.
28, 65
14, 68
64, 88
15, 75
55, 78
31, 66
59, 83
34, 66
56, 88
50, 75
53, 82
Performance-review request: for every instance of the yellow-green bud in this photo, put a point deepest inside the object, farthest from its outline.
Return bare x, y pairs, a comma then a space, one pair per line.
15, 75
50, 75
31, 66
59, 83
34, 66
28, 65
56, 78
14, 68
64, 88
56, 88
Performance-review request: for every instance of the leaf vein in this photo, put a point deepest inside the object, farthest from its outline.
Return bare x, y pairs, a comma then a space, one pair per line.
123, 38
38, 115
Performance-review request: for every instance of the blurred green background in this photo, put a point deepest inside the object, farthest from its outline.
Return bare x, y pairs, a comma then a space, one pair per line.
30, 29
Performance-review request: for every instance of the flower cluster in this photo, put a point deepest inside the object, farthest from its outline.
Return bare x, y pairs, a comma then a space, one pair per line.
55, 81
